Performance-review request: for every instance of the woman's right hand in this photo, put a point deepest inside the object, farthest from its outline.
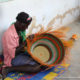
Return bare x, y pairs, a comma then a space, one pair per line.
21, 47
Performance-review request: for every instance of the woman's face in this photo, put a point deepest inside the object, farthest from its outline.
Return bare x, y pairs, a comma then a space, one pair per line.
22, 26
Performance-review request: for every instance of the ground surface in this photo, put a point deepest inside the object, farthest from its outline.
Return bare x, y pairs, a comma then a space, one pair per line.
73, 73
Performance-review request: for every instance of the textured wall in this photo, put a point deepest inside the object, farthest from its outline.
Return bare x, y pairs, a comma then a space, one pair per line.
44, 12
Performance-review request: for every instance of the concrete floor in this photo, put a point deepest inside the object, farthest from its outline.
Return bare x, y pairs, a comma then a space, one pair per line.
73, 73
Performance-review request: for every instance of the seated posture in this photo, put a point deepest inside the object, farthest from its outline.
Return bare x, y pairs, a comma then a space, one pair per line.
13, 43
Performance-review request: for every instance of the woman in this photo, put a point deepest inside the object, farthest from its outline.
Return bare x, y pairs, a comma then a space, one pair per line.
13, 43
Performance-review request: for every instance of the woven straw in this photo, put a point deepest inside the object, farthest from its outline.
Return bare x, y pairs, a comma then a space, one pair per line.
47, 50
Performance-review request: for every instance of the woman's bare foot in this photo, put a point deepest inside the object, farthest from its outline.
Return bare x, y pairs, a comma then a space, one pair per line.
4, 73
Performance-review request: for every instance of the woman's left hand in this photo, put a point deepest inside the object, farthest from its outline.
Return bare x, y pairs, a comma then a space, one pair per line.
30, 37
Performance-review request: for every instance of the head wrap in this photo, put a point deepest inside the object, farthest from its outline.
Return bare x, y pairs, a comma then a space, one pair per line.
23, 18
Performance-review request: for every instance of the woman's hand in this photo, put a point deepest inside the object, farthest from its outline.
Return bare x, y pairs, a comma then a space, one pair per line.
21, 47
30, 37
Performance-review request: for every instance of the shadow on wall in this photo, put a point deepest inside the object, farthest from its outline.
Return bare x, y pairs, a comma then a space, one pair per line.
1, 12
1, 33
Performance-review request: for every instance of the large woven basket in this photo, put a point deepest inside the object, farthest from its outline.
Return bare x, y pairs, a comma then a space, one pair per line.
47, 49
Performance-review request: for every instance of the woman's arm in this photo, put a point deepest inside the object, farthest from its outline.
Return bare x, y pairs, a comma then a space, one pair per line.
20, 48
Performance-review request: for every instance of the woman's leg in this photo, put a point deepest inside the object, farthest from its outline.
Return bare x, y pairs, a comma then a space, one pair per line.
22, 63
24, 68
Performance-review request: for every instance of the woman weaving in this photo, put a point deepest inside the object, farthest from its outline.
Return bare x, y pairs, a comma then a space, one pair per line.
13, 43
